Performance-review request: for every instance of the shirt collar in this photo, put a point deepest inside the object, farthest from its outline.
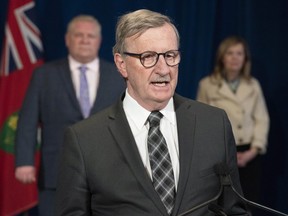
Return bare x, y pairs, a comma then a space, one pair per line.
139, 115
92, 66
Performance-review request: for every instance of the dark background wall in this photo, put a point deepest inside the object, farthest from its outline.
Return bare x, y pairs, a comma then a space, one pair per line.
202, 25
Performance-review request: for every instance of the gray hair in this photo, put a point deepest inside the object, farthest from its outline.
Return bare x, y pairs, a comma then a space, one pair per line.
87, 18
136, 23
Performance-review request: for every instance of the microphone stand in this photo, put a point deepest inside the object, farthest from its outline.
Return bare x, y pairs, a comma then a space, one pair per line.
223, 171
216, 209
225, 180
258, 205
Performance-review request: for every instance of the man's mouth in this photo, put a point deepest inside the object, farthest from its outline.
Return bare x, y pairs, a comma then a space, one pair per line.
160, 83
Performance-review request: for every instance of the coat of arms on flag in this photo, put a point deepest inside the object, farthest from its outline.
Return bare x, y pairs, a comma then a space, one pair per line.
21, 53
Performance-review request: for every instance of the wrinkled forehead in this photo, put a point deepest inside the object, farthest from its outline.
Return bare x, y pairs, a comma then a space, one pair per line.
163, 37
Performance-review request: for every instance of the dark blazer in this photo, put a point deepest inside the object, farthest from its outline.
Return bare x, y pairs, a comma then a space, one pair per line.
51, 102
101, 171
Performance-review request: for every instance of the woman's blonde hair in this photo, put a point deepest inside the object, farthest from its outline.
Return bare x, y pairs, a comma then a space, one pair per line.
218, 71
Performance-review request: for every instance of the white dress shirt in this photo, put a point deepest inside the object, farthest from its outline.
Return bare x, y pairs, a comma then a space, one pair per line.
137, 119
92, 75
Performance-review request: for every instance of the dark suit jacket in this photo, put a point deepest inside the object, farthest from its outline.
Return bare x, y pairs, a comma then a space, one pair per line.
51, 102
101, 171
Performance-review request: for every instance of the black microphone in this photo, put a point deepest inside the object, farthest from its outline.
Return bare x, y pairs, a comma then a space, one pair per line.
216, 209
223, 171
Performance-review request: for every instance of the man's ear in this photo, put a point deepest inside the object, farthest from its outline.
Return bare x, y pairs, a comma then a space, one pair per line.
120, 64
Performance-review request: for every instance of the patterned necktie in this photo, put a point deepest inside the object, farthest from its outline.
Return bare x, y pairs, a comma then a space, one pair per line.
84, 92
162, 172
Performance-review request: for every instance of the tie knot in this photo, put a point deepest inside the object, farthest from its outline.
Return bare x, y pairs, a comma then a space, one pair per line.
154, 118
83, 68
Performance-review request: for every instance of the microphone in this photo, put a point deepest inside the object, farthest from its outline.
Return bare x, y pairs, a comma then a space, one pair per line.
216, 209
223, 171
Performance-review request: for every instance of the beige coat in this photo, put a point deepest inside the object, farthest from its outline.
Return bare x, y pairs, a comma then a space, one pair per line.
246, 109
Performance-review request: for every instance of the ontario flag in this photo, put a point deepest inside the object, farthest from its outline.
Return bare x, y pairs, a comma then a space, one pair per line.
21, 53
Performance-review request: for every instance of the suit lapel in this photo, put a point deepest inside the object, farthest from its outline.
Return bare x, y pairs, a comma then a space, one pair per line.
226, 91
65, 74
103, 87
186, 121
100, 92
244, 91
121, 131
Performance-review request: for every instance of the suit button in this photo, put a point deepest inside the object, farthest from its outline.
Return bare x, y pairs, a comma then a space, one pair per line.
239, 126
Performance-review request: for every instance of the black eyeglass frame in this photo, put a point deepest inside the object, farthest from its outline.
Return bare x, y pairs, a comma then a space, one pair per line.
140, 55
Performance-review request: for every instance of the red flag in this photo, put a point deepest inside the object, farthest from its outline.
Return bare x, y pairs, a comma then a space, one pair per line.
22, 52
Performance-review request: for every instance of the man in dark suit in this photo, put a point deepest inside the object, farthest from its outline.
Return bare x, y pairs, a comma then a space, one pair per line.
53, 103
153, 152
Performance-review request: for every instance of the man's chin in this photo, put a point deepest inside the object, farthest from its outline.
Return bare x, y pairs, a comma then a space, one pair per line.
162, 96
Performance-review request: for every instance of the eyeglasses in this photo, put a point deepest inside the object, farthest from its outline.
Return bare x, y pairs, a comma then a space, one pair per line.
149, 58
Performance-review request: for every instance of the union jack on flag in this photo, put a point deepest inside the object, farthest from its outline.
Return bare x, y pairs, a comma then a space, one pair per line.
22, 52
22, 43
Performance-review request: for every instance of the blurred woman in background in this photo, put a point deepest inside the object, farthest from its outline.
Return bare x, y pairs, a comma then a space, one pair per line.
232, 88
